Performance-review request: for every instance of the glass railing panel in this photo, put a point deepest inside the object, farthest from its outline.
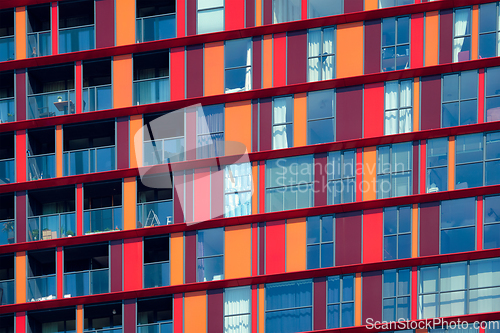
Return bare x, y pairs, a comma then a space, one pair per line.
76, 39
7, 171
39, 44
7, 295
104, 159
97, 98
7, 232
51, 226
163, 151
155, 328
76, 284
41, 288
151, 91
102, 220
99, 281
155, 27
76, 163
68, 225
7, 110
7, 50
111, 330
89, 161
41, 167
154, 214
51, 104
156, 275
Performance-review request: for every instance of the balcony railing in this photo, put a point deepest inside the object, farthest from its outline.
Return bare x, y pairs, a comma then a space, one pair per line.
77, 162
155, 328
7, 171
97, 98
84, 283
51, 104
102, 220
7, 294
7, 110
157, 274
39, 44
155, 27
164, 151
107, 330
151, 91
156, 213
7, 50
7, 232
51, 226
42, 167
42, 288
76, 39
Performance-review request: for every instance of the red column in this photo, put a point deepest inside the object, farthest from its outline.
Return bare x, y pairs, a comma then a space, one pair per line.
480, 98
423, 166
479, 222
78, 86
21, 156
414, 293
79, 209
55, 28
59, 272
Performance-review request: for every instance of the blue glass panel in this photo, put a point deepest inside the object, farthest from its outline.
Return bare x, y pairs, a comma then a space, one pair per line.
388, 54
151, 91
348, 288
210, 269
468, 84
313, 256
7, 232
469, 175
313, 229
404, 246
492, 174
450, 116
320, 8
99, 282
389, 309
327, 229
450, 87
327, 255
389, 31
493, 80
76, 39
403, 30
41, 288
333, 316
458, 212
493, 145
7, 110
437, 152
210, 242
156, 275
320, 131
492, 108
458, 240
41, 167
403, 308
76, 284
333, 289
7, 288
390, 247
7, 50
290, 294
488, 17
389, 286
390, 220
468, 112
437, 180
404, 219
289, 321
7, 174
105, 158
404, 282
347, 314
492, 209
402, 57
159, 27
236, 52
236, 79
320, 104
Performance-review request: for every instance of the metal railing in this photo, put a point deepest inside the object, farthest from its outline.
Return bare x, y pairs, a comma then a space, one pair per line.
155, 27
76, 39
51, 226
7, 110
107, 330
97, 98
155, 213
157, 274
42, 167
42, 288
7, 50
7, 171
164, 151
77, 162
156, 328
90, 282
39, 44
102, 220
149, 91
57, 103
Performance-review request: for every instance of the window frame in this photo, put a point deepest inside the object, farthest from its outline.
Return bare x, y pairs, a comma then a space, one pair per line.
441, 229
226, 69
391, 173
465, 36
431, 168
396, 5
321, 55
486, 96
341, 3
496, 31
397, 233
236, 192
341, 302
395, 45
198, 11
342, 178
211, 134
144, 263
321, 242
483, 212
286, 123
397, 296
399, 108
212, 256
460, 100
249, 314
334, 109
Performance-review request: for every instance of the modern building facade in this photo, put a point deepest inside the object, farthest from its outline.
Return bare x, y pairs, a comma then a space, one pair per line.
249, 166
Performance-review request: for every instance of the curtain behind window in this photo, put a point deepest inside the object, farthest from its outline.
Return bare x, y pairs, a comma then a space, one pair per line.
405, 114
286, 10
280, 116
314, 49
461, 23
236, 310
391, 103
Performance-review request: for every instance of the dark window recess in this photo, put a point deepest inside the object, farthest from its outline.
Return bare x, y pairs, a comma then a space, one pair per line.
156, 249
6, 145
6, 84
151, 65
39, 18
89, 135
61, 320
48, 79
7, 208
51, 201
41, 141
96, 72
42, 262
7, 323
100, 316
6, 22
84, 258
148, 194
76, 13
6, 268
154, 310
101, 195
155, 7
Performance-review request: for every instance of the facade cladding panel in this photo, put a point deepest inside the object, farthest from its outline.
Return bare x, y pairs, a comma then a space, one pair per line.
271, 166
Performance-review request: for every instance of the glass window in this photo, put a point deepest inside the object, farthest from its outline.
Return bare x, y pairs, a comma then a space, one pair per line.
488, 30
7, 48
210, 254
155, 315
237, 190
459, 101
210, 131
289, 183
398, 107
462, 35
395, 43
151, 78
237, 305
493, 327
41, 275
102, 316
288, 306
283, 122
493, 94
76, 26
319, 8
492, 158
341, 171
156, 261
321, 54
210, 16
437, 165
154, 200
238, 62
458, 220
320, 242
97, 85
38, 31
393, 3
394, 170
286, 10
7, 218
7, 97
59, 320
340, 301
7, 280
484, 285
397, 233
469, 161
491, 230
320, 117
396, 295
155, 20
7, 323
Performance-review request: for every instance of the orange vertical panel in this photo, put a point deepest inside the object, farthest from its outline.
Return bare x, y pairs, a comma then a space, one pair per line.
132, 266
371, 4
261, 313
20, 277
59, 151
414, 231
136, 145
125, 22
214, 68
475, 32
255, 187
129, 203
20, 19
373, 235
258, 13
122, 81
176, 258
357, 300
350, 49
268, 61
300, 120
431, 38
177, 73
416, 104
238, 126
202, 194
195, 312
279, 58
451, 163
369, 173
238, 251
296, 244
79, 318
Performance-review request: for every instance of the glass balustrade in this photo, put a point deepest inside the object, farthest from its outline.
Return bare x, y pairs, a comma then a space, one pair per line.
157, 213
7, 51
163, 151
76, 39
83, 283
42, 288
7, 232
51, 104
155, 27
156, 274
7, 110
39, 44
102, 220
97, 98
7, 171
7, 292
42, 167
92, 160
51, 226
151, 91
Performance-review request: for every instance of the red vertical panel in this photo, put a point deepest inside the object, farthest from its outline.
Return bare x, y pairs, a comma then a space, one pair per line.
373, 235
129, 313
359, 174
266, 124
104, 23
297, 57
122, 140
178, 313
190, 257
132, 267
352, 6
417, 40
423, 166
279, 59
349, 113
217, 191
480, 99
268, 11
348, 238
235, 14
415, 173
479, 213
179, 197
275, 247
181, 18
21, 216
374, 109
430, 108
116, 264
372, 46
194, 72
250, 13
189, 196
262, 186
429, 226
304, 10
257, 62
201, 194
190, 17
190, 133
21, 94
445, 36
55, 28
79, 85
320, 179
177, 73
255, 125
20, 322
262, 248
215, 311
79, 209
21, 156
254, 312
372, 296
319, 303
414, 293
59, 271
255, 249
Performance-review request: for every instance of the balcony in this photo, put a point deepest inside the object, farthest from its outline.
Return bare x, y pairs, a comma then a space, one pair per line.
102, 220
7, 47
102, 207
156, 261
86, 283
76, 26
52, 226
7, 284
155, 315
155, 20
97, 98
41, 154
42, 167
97, 87
7, 101
103, 318
84, 161
39, 38
53, 104
76, 39
7, 161
41, 275
151, 91
39, 44
151, 78
57, 320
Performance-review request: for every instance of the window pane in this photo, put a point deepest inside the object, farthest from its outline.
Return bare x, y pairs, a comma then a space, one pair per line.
468, 112
313, 229
452, 304
320, 131
484, 300
386, 3
487, 45
348, 288
461, 49
333, 316
437, 180
206, 4
313, 257
401, 157
493, 145
401, 184
492, 174
327, 67
403, 308
493, 81
290, 294
304, 171
390, 220
488, 17
319, 8
437, 152
389, 309
348, 167
314, 71
314, 43
469, 148
389, 31
383, 187
457, 240
327, 255
211, 20
402, 57
334, 192
286, 10
404, 246
282, 136
389, 286
493, 108
210, 119
404, 282
347, 314
348, 190
450, 116
238, 52
210, 242
469, 175
428, 280
492, 209
390, 247
320, 104
428, 306
327, 229
238, 79
484, 273
492, 236
468, 84
289, 321
391, 125
234, 324
383, 162
388, 55
283, 110
328, 41
404, 219
458, 212
210, 269
403, 30
462, 22
450, 87
333, 289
